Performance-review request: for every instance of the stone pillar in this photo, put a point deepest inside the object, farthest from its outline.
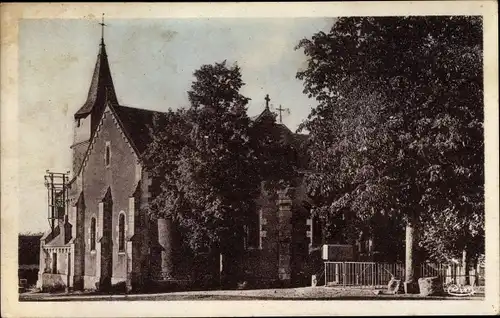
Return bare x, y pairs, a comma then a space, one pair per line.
134, 279
99, 257
309, 231
285, 235
165, 239
78, 249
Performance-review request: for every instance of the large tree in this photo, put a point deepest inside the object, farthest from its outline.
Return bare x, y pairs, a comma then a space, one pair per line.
209, 160
203, 157
398, 126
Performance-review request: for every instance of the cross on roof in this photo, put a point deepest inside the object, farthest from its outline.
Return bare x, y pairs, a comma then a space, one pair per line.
102, 28
280, 110
267, 99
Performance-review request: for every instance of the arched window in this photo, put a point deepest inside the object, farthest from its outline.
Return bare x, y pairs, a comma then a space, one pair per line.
121, 233
92, 234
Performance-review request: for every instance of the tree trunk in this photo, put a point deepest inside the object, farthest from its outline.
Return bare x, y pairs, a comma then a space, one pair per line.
465, 267
410, 269
166, 241
411, 286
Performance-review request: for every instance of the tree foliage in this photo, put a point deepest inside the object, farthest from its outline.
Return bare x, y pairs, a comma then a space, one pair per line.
204, 161
209, 160
398, 127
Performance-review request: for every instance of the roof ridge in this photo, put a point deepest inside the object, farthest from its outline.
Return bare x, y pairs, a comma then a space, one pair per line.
140, 109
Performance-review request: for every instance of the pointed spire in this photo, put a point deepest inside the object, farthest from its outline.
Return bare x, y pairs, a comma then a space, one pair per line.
101, 85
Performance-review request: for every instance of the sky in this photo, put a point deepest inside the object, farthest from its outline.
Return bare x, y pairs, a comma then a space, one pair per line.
152, 63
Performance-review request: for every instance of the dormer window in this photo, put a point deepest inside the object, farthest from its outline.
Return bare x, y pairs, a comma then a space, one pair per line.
107, 155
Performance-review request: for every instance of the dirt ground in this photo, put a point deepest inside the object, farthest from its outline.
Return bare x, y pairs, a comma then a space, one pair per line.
304, 293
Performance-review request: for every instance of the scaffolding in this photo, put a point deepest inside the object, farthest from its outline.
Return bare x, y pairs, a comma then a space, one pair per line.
57, 196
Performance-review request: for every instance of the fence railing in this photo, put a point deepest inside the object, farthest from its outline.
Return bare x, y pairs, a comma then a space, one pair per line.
362, 274
453, 273
372, 274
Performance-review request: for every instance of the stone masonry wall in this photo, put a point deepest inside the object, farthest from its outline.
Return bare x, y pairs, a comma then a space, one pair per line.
120, 177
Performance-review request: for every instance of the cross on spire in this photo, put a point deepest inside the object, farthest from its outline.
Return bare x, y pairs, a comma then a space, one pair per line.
280, 110
102, 29
267, 99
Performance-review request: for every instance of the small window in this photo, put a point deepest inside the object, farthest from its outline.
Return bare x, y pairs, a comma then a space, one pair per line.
121, 233
92, 234
107, 155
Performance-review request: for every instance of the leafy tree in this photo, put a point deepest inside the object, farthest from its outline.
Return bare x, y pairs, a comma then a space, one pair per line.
210, 161
204, 157
399, 117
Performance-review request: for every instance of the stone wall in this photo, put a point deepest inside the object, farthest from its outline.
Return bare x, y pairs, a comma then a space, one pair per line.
52, 282
283, 256
120, 178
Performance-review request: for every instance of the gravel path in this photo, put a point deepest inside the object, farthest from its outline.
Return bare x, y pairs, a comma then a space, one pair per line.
304, 293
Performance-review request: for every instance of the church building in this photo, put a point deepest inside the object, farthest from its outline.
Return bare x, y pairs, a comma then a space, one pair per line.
102, 238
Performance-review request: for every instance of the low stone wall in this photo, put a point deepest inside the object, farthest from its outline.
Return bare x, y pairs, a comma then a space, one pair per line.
53, 282
89, 282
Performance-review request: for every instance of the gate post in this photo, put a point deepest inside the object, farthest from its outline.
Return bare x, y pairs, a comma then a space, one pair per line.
326, 281
343, 274
285, 235
337, 270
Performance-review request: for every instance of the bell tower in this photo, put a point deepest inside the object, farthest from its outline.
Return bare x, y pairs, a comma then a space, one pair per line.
87, 117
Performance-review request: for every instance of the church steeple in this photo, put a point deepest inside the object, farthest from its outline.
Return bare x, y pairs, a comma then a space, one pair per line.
101, 85
87, 118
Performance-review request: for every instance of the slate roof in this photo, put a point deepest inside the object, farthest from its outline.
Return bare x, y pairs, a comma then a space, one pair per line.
100, 85
136, 122
266, 115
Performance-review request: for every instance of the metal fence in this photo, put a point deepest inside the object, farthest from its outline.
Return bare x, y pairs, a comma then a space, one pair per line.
361, 274
372, 274
453, 273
